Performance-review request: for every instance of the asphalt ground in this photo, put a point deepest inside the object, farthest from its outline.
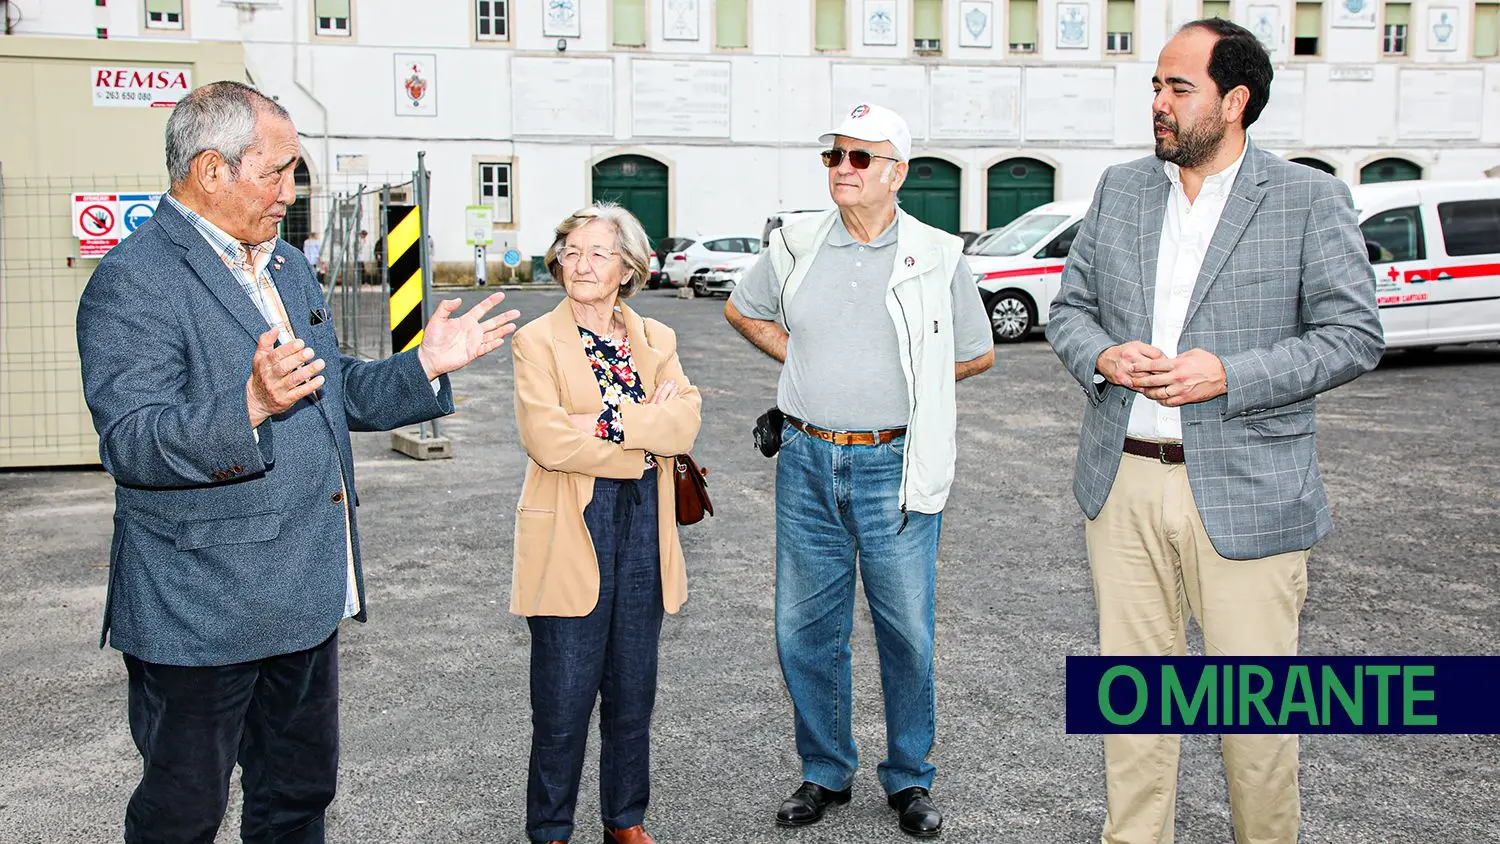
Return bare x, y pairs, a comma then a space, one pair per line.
434, 688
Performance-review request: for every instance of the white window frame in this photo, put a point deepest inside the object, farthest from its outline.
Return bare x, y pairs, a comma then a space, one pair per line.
1113, 41
499, 14
485, 173
164, 20
1389, 38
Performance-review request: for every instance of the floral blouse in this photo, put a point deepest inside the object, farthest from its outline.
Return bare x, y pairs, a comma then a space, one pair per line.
618, 382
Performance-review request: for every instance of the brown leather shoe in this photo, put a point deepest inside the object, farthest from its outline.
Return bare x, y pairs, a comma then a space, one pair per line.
634, 835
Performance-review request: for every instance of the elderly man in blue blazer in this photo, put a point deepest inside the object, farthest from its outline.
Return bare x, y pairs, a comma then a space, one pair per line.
224, 409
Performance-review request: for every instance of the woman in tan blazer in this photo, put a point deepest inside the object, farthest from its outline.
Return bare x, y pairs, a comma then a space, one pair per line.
602, 406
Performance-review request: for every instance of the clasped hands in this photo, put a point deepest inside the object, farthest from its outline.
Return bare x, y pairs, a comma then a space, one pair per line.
586, 422
1192, 376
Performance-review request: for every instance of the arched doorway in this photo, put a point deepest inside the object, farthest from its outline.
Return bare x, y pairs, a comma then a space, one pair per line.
930, 193
1016, 186
298, 222
1389, 170
1315, 163
639, 184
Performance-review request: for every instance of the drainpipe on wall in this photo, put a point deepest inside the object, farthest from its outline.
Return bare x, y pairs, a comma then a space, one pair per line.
297, 80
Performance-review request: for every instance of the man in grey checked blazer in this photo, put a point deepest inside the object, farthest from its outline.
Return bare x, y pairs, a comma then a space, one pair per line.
1213, 291
224, 409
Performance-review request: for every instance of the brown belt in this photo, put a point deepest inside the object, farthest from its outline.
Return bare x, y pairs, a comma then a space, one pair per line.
847, 437
1165, 452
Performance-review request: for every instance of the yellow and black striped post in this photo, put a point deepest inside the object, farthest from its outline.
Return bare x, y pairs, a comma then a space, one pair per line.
403, 255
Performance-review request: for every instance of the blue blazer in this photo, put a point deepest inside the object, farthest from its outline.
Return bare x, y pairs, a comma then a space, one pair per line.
226, 549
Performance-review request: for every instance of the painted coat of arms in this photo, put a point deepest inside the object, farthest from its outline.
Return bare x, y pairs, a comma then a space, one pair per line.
976, 17
1072, 26
416, 84
562, 19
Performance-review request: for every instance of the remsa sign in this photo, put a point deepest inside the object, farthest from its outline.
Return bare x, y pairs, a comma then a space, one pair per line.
140, 87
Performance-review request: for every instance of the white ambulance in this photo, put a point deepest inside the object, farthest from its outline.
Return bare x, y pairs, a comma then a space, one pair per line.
1019, 267
1435, 247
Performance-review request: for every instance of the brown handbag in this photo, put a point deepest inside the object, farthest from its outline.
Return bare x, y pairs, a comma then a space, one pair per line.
692, 490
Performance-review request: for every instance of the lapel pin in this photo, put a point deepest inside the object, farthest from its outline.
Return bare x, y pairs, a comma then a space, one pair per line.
910, 261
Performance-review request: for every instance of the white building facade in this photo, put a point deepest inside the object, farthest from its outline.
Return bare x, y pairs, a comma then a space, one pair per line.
703, 115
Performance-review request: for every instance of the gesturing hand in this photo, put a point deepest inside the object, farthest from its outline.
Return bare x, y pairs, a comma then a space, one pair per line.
1192, 376
449, 344
1124, 363
280, 376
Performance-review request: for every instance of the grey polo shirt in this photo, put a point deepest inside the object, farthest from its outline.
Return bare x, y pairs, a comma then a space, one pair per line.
843, 366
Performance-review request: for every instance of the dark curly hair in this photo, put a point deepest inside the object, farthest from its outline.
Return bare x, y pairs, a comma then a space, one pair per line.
1238, 58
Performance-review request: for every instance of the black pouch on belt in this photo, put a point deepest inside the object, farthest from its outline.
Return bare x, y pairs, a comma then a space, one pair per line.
767, 432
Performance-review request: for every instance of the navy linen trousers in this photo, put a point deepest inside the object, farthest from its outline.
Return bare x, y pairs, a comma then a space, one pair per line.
610, 653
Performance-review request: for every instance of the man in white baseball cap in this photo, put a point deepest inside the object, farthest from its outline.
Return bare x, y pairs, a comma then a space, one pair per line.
874, 123
875, 316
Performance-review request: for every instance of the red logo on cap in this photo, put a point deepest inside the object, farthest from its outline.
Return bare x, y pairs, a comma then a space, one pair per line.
860, 111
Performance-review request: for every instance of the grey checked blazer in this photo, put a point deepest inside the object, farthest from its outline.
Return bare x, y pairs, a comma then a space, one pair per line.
226, 549
1286, 299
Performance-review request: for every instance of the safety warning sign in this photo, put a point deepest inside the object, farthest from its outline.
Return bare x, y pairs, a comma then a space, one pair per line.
102, 220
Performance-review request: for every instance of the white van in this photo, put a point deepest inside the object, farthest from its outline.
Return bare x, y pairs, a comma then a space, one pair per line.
1019, 267
1435, 247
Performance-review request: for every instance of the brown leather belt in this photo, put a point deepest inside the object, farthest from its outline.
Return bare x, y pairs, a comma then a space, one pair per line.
847, 437
1165, 452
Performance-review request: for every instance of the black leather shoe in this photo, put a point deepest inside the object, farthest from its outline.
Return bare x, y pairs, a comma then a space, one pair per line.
807, 804
919, 815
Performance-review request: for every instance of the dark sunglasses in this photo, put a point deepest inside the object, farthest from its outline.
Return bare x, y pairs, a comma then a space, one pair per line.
859, 159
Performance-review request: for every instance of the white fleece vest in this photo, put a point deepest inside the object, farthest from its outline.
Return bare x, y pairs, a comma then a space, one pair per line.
920, 302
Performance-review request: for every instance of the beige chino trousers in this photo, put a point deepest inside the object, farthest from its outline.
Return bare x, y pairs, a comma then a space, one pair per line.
1152, 563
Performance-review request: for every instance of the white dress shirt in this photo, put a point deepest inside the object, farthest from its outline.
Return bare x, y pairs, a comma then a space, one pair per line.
1186, 231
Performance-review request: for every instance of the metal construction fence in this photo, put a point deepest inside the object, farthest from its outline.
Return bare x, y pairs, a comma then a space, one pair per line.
44, 267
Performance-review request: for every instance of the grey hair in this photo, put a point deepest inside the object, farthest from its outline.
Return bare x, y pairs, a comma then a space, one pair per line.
221, 117
630, 242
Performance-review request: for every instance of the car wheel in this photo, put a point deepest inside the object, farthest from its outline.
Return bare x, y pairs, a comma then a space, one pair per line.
1012, 315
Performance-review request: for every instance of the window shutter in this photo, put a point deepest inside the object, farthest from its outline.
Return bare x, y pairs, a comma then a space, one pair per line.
331, 8
630, 23
731, 24
1023, 22
830, 28
1309, 20
927, 20
1486, 30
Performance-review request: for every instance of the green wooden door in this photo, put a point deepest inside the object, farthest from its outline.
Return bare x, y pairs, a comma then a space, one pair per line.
931, 192
1389, 170
639, 184
1016, 186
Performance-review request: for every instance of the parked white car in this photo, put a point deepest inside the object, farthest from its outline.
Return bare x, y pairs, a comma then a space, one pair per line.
1019, 268
722, 277
705, 252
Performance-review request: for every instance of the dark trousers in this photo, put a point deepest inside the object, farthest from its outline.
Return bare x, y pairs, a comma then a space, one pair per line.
611, 653
277, 717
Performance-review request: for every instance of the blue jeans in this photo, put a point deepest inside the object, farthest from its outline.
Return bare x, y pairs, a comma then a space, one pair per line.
835, 504
609, 653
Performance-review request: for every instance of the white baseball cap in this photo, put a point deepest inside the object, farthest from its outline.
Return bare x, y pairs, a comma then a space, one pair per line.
874, 123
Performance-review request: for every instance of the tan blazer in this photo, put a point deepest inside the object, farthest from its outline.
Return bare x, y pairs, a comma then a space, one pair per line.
556, 571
